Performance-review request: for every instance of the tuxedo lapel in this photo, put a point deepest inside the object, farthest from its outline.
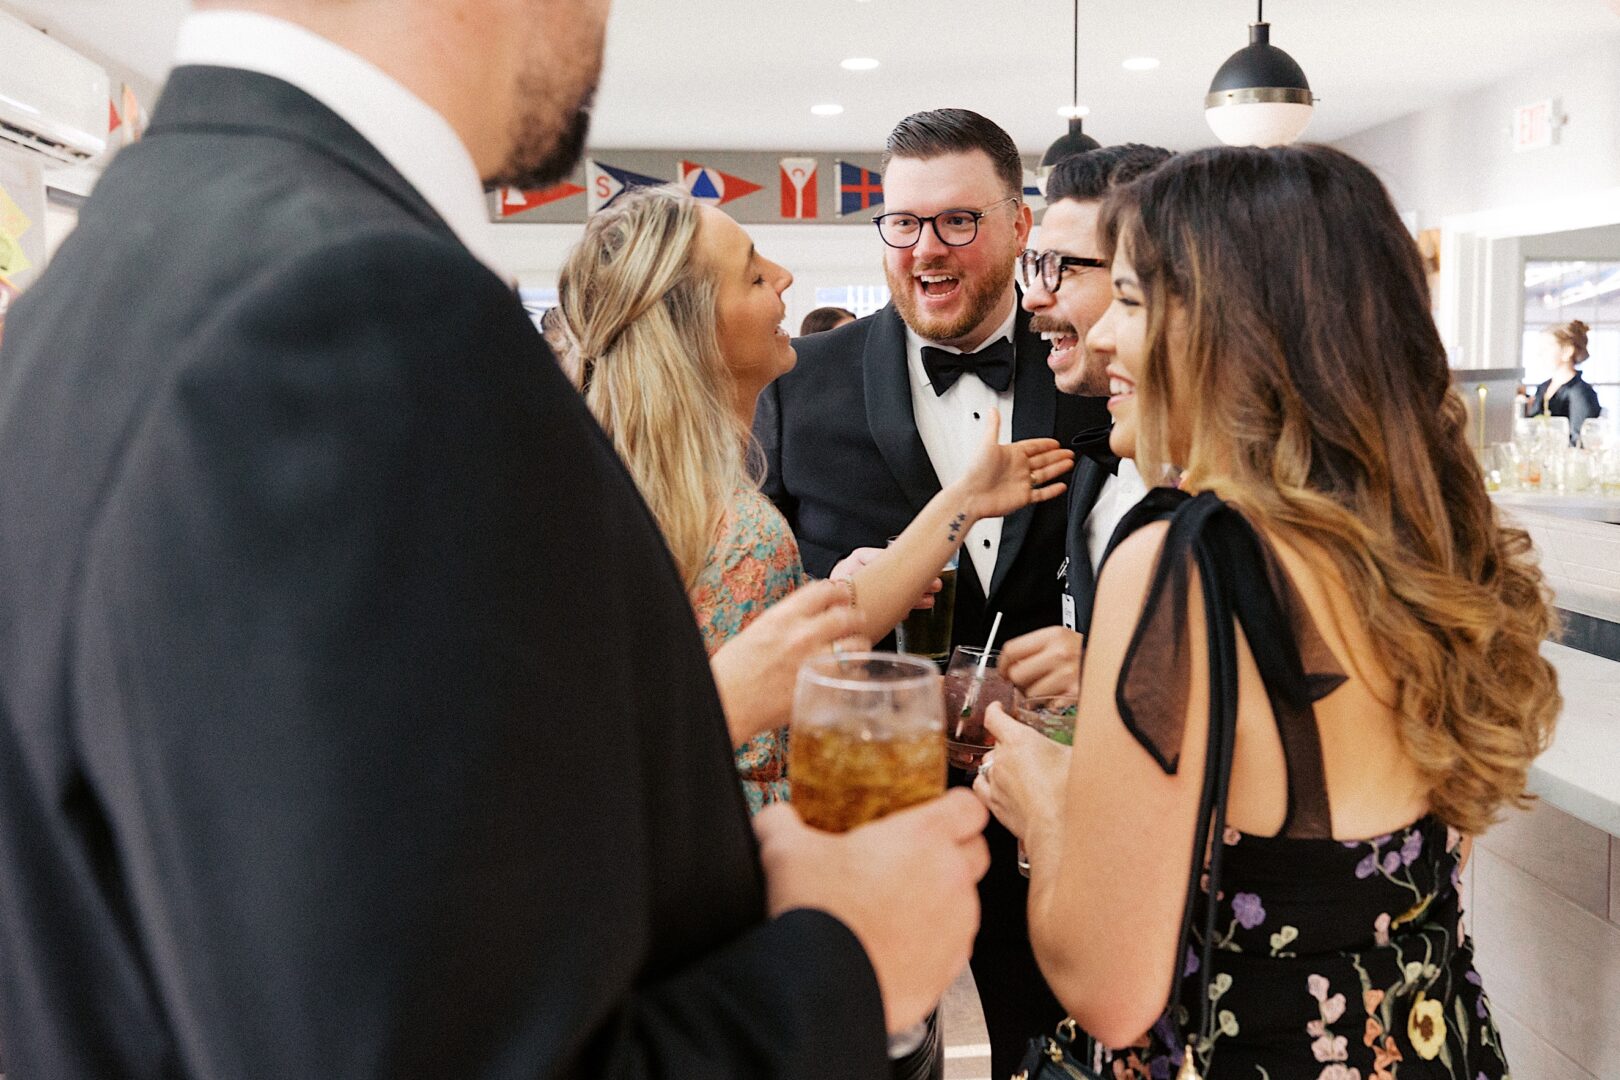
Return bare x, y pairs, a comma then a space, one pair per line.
1034, 417
889, 413
1084, 487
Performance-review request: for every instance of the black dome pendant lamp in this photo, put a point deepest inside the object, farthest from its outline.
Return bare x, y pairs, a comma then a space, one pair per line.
1076, 141
1259, 97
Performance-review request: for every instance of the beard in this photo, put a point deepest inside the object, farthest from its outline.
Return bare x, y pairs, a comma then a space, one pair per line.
548, 137
979, 301
1083, 375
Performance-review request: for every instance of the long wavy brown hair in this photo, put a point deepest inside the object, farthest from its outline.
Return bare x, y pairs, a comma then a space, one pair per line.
1310, 389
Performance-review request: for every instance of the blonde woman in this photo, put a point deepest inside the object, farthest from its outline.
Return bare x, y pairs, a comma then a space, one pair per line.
1270, 333
677, 322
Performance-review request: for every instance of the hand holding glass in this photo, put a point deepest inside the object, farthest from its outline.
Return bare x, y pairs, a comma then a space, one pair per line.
1054, 717
867, 739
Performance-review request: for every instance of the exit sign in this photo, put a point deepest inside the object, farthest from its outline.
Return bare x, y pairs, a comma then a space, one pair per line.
1535, 125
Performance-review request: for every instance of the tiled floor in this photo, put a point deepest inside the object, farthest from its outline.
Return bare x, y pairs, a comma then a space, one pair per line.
967, 1047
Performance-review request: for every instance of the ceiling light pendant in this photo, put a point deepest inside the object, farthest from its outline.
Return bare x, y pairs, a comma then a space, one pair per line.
1259, 97
1076, 141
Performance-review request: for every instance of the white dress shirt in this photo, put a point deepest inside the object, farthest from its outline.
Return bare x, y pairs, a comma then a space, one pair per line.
952, 424
1119, 493
414, 137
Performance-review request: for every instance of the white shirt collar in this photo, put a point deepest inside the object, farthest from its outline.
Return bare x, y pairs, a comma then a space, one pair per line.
410, 134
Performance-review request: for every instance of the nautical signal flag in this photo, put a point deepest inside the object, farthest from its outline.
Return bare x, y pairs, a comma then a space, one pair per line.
1034, 191
712, 186
513, 200
858, 188
799, 187
607, 182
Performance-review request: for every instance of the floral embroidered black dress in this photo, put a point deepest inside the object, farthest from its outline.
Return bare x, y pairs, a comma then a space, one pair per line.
1336, 960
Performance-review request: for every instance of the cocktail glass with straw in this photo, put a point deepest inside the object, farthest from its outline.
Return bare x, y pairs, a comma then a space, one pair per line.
971, 684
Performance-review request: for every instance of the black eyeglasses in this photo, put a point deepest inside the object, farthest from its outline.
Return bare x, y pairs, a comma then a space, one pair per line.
955, 228
1050, 266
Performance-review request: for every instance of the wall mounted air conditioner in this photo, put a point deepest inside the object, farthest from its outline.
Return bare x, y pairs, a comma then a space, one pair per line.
52, 100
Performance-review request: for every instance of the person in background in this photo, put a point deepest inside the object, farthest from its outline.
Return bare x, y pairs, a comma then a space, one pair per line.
678, 319
1566, 393
1066, 290
1390, 690
882, 413
825, 318
353, 720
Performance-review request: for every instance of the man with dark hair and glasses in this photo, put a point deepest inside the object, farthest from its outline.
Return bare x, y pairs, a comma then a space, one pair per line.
880, 413
1066, 290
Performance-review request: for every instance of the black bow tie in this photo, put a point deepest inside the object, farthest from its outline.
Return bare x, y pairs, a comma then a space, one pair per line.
993, 364
1093, 444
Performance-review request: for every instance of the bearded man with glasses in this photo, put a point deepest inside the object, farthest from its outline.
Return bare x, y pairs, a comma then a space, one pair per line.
879, 414
1066, 290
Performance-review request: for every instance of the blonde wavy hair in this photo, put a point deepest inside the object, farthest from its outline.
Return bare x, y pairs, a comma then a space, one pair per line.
640, 308
1311, 391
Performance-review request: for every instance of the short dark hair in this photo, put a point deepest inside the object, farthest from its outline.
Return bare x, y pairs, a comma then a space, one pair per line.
824, 318
938, 132
1091, 174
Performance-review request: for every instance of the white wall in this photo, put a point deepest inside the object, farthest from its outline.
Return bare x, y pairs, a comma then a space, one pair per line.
1600, 244
1456, 157
1452, 165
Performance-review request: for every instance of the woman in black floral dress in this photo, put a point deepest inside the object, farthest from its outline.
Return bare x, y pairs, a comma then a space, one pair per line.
1270, 338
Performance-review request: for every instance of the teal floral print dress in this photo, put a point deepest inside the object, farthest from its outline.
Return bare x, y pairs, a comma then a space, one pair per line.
1334, 959
754, 564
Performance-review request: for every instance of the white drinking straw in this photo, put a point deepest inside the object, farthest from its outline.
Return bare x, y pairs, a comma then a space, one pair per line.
972, 698
984, 660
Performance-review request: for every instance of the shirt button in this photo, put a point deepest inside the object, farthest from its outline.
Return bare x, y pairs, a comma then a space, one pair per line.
975, 416
987, 545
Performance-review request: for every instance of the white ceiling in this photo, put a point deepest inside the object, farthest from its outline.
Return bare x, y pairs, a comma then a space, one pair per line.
742, 74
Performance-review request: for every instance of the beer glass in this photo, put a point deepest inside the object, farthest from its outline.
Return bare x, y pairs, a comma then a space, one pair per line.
867, 738
928, 632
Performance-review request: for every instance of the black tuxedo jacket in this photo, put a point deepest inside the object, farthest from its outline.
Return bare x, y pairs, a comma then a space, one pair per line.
353, 720
846, 466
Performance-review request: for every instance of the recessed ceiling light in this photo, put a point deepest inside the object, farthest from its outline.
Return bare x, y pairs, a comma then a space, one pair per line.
859, 63
826, 109
1074, 112
1141, 63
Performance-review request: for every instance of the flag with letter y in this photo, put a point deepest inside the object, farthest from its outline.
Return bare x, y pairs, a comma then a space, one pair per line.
799, 187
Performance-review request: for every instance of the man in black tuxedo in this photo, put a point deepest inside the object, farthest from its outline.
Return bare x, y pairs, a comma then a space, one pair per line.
353, 719
1066, 290
879, 413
